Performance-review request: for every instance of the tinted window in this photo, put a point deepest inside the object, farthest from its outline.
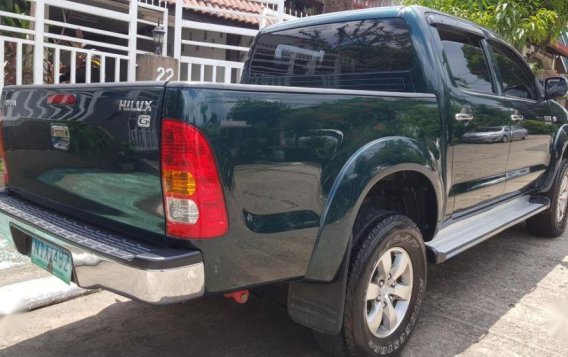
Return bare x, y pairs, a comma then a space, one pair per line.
515, 78
369, 54
467, 61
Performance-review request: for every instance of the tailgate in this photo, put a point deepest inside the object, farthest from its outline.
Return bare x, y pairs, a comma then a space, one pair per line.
89, 151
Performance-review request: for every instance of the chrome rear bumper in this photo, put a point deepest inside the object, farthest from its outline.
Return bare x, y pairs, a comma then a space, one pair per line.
105, 260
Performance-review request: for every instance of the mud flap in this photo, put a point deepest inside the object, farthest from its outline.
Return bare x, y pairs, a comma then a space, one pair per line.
320, 305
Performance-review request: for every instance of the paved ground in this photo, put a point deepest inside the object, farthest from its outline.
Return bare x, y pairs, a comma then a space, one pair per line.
497, 299
9, 258
19, 273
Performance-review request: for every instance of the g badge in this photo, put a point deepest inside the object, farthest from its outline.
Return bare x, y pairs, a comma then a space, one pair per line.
144, 121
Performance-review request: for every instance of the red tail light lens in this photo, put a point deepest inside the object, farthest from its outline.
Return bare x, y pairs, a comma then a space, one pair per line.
193, 196
62, 99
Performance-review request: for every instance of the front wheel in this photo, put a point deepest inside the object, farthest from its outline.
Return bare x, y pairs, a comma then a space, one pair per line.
385, 290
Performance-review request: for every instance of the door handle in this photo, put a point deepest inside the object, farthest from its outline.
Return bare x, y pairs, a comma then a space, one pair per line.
516, 117
464, 117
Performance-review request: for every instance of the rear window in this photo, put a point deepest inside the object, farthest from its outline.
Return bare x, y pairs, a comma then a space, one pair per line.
465, 56
372, 54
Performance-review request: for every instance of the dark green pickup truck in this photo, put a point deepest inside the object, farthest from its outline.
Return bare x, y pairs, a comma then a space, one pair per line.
360, 146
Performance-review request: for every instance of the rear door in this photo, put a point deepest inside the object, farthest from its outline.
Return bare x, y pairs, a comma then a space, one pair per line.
478, 120
89, 151
532, 130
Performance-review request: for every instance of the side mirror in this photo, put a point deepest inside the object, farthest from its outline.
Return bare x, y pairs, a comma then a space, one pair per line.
555, 87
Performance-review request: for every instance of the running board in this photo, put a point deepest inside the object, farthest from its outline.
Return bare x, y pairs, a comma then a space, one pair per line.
468, 232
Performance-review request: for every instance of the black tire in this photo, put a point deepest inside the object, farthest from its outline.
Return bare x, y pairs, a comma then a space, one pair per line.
504, 139
546, 223
380, 231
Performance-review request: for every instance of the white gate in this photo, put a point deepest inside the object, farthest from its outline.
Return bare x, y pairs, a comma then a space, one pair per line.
215, 66
43, 51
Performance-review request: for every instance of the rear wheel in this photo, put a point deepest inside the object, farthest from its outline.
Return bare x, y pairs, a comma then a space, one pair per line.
552, 222
504, 139
385, 288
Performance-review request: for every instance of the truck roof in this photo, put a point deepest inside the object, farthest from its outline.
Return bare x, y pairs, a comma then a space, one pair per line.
377, 12
341, 16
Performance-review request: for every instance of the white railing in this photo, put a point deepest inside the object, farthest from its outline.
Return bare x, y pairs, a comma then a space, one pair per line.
154, 3
56, 49
15, 61
205, 69
91, 63
13, 29
68, 50
45, 51
208, 70
290, 14
161, 8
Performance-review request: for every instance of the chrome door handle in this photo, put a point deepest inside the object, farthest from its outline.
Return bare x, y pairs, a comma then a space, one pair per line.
464, 117
516, 117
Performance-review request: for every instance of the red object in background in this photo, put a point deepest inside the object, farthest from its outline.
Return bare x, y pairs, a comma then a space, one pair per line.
558, 49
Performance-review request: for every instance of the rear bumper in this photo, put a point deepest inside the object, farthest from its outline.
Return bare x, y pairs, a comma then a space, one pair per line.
103, 259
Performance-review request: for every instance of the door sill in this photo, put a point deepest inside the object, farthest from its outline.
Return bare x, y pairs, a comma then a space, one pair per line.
468, 232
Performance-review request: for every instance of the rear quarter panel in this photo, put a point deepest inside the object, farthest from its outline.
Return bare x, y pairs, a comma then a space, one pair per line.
281, 153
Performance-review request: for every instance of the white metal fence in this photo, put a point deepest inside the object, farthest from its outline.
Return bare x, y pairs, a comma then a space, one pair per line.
201, 69
43, 51
208, 70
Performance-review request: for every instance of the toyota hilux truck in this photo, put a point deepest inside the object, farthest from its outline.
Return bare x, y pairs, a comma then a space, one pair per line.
359, 147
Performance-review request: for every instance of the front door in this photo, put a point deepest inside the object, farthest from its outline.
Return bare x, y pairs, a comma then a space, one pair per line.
479, 121
532, 125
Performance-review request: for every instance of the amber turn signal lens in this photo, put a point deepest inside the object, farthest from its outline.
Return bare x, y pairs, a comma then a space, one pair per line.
179, 182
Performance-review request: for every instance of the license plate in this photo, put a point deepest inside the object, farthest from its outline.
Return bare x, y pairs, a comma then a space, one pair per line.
53, 259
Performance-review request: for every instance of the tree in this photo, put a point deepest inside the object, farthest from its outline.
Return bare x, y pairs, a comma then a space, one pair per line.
523, 23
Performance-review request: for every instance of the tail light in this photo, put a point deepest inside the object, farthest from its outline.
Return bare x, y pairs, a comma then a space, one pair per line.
2, 155
193, 196
62, 99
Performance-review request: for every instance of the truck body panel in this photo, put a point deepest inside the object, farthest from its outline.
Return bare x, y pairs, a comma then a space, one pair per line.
288, 158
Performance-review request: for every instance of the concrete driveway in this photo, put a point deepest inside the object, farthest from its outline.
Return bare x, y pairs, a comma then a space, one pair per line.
503, 297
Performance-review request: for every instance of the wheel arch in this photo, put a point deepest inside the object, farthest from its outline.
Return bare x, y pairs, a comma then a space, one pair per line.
558, 152
364, 171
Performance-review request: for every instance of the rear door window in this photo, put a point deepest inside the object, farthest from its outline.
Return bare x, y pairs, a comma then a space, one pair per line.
372, 54
466, 60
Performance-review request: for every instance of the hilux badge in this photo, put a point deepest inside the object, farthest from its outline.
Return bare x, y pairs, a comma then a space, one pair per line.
60, 138
135, 106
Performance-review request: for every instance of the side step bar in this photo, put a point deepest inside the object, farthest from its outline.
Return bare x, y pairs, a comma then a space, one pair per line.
471, 231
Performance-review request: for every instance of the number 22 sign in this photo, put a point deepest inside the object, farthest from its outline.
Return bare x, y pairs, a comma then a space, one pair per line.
164, 74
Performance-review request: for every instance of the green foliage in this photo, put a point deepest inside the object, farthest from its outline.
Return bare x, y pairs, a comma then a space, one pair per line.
537, 127
17, 7
521, 22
